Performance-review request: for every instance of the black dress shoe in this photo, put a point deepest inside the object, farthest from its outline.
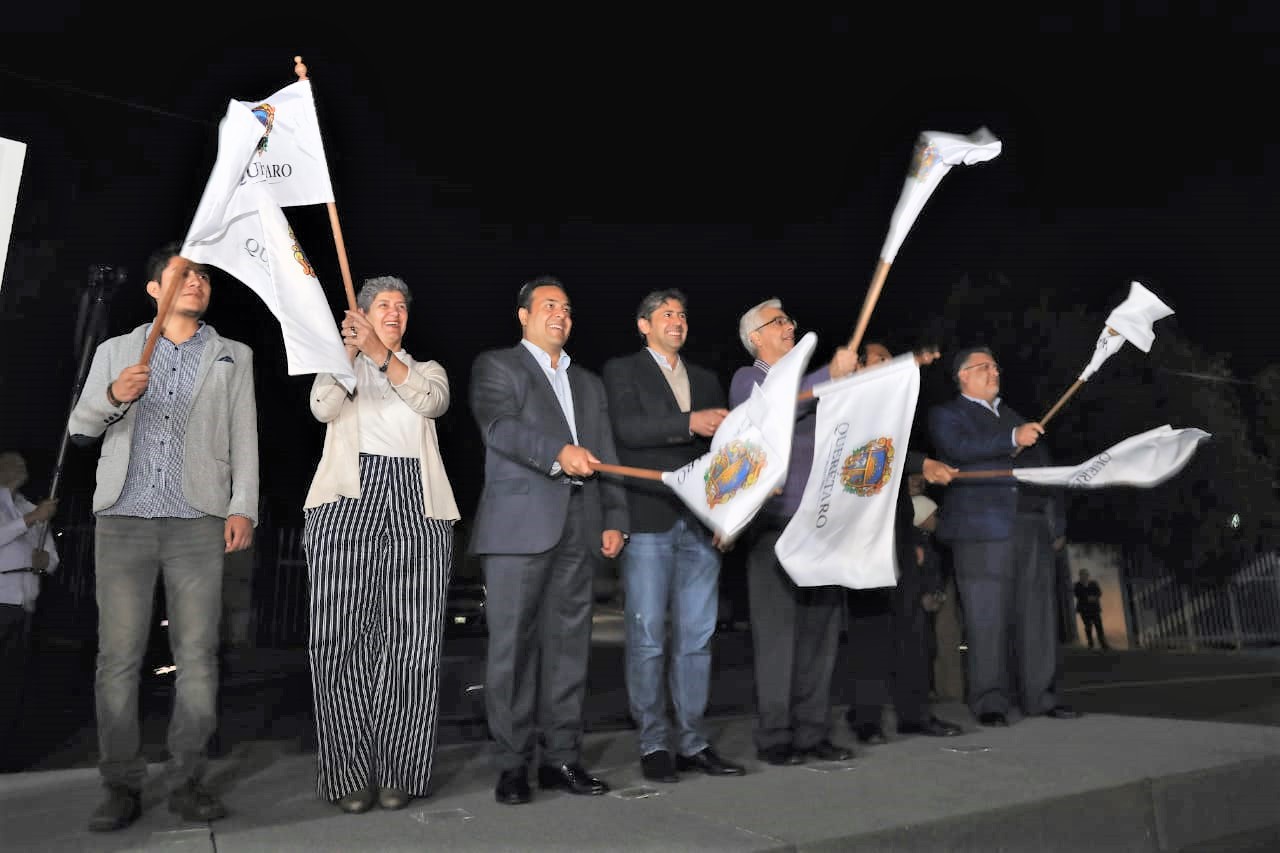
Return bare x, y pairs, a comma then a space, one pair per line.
993, 718
825, 750
121, 808
573, 778
933, 727
513, 787
658, 767
780, 754
1062, 712
870, 733
710, 763
357, 802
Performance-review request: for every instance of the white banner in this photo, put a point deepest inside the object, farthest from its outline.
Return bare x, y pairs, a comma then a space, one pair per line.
1144, 460
935, 153
259, 248
843, 532
273, 145
12, 155
749, 452
1131, 321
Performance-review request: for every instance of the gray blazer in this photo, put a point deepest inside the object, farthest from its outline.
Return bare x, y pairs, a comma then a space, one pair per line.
523, 508
220, 457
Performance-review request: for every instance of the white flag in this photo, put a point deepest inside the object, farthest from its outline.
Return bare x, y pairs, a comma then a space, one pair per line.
1131, 321
259, 249
1144, 460
935, 153
273, 144
750, 451
843, 531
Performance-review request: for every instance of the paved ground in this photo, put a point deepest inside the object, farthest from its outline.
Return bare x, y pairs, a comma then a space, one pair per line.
1160, 726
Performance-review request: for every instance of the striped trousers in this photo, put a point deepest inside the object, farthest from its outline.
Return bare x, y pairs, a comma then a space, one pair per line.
379, 572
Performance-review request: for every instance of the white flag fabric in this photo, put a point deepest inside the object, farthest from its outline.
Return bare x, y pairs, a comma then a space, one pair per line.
1131, 321
259, 248
935, 153
750, 451
12, 155
843, 532
1144, 460
273, 144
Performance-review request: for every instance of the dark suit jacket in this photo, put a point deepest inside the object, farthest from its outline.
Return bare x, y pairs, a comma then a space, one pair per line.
970, 437
522, 507
652, 432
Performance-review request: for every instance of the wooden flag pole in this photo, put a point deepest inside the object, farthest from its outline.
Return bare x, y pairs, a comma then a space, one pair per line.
923, 357
981, 475
868, 304
301, 70
627, 471
164, 307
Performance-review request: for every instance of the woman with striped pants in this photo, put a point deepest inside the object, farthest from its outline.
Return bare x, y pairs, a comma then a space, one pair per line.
379, 546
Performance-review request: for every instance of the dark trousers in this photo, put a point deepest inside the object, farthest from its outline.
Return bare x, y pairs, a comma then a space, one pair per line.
1006, 589
538, 608
889, 657
795, 632
1093, 622
15, 626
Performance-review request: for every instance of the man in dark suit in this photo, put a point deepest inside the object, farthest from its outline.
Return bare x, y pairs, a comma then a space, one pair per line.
664, 412
889, 627
542, 521
1001, 535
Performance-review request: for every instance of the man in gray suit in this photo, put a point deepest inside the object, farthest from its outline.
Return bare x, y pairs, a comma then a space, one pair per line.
542, 521
177, 489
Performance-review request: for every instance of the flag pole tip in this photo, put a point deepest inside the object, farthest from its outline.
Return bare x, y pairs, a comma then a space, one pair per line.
299, 68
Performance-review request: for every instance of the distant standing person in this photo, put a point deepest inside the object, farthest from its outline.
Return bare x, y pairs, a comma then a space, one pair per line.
177, 491
24, 555
379, 542
1089, 606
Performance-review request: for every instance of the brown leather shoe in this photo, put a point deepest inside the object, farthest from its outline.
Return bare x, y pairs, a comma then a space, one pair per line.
121, 808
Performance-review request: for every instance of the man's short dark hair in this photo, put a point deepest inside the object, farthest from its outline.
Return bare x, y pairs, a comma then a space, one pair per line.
524, 299
962, 356
159, 259
653, 301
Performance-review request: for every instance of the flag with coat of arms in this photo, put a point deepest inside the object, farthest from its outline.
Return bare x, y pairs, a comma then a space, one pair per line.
843, 531
750, 451
240, 228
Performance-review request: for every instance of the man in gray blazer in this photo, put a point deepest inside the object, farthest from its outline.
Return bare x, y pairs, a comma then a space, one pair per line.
177, 488
542, 521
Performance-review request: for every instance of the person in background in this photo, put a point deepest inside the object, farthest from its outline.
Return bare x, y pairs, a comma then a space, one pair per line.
379, 545
888, 632
177, 490
26, 553
1089, 605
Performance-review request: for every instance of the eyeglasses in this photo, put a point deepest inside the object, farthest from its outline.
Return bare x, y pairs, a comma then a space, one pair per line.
780, 320
984, 366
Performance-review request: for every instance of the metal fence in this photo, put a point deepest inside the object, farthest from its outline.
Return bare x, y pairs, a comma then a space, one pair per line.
1238, 612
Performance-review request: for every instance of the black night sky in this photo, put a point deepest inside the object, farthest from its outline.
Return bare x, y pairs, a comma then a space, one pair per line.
737, 162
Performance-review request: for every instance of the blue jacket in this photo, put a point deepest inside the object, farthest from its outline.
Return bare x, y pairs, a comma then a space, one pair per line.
972, 438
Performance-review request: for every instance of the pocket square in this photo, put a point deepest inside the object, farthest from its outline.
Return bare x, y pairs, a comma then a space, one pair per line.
228, 359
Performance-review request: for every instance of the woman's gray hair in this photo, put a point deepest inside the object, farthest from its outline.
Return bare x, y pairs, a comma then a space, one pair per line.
373, 286
751, 320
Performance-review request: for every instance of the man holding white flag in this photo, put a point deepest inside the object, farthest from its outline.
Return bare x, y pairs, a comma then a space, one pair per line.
1002, 538
795, 631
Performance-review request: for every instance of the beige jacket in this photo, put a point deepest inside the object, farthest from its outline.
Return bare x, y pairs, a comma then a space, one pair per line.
426, 392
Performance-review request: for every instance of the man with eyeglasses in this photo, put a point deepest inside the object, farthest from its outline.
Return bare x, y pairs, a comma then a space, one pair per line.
1002, 536
795, 630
